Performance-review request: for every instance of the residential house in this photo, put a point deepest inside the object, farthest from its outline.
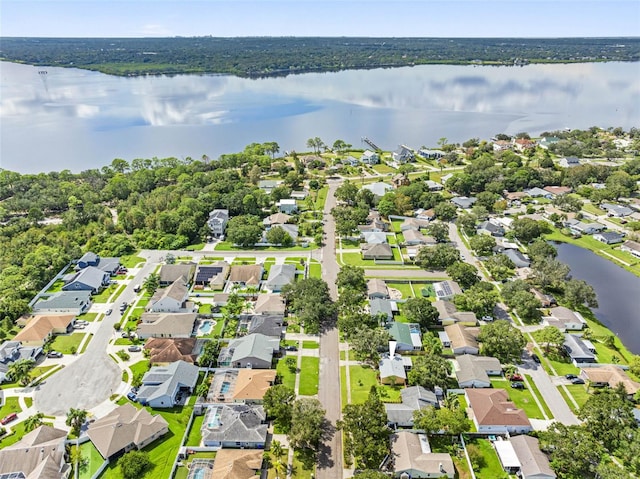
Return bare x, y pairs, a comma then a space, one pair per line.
565, 319
12, 351
537, 193
406, 335
379, 307
403, 154
610, 376
39, 454
268, 185
376, 226
90, 279
280, 275
569, 162
518, 258
464, 340
449, 314
507, 456
299, 194
474, 371
413, 399
392, 368
170, 350
235, 426
546, 300
428, 215
110, 265
492, 412
370, 157
513, 196
287, 205
267, 324
547, 141
71, 302
376, 251
276, 219
463, 202
126, 428
431, 154
582, 228
411, 457
488, 228
416, 238
578, 351
522, 144
433, 185
172, 299
252, 351
502, 145
444, 339
88, 259
270, 304
374, 237
38, 328
165, 386
377, 289
413, 224
609, 237
166, 325
182, 272
351, 161
217, 222
446, 290
631, 247
399, 180
379, 189
237, 464
246, 275
534, 463
247, 386
617, 211
445, 178
557, 190
215, 275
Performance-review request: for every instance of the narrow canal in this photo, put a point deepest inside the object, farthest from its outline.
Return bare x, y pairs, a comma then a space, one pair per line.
618, 292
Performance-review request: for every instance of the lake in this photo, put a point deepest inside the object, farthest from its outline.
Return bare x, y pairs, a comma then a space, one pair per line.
618, 292
59, 118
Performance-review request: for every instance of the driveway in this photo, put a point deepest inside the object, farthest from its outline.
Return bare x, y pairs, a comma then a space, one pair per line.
94, 376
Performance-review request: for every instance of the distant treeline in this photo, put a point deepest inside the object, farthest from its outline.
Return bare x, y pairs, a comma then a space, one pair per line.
269, 56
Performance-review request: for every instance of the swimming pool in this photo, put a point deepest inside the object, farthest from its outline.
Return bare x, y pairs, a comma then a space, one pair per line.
226, 386
205, 327
213, 420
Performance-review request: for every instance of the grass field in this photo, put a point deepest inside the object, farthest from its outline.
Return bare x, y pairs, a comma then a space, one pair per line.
343, 384
520, 397
490, 467
65, 343
288, 377
310, 344
93, 458
579, 393
404, 288
321, 198
309, 371
195, 435
361, 379
315, 270
131, 261
534, 389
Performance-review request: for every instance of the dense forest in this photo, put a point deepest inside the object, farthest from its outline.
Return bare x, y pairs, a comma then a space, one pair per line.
262, 56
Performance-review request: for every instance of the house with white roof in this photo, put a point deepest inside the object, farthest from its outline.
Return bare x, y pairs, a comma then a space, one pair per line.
217, 222
287, 206
379, 189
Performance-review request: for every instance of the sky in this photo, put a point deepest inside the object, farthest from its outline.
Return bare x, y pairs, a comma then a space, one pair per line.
373, 18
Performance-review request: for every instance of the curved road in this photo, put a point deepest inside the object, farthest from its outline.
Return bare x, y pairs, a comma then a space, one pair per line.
94, 376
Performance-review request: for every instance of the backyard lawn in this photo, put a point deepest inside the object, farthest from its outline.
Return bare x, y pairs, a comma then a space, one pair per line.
195, 435
404, 288
489, 467
93, 458
309, 371
67, 344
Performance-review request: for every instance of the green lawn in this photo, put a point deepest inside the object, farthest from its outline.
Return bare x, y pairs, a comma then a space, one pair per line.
105, 294
490, 467
11, 405
88, 316
356, 258
534, 389
520, 397
18, 433
40, 370
130, 261
404, 288
321, 198
383, 169
579, 393
315, 270
140, 367
64, 343
591, 208
309, 371
56, 287
227, 246
195, 434
343, 384
204, 308
361, 380
288, 377
310, 344
195, 247
95, 460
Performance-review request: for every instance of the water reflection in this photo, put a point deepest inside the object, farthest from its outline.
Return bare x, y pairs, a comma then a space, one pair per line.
83, 119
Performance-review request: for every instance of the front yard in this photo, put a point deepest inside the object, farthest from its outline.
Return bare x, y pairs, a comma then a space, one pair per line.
68, 343
520, 397
309, 371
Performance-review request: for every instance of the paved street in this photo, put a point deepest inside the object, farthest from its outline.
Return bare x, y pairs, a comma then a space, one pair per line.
94, 376
330, 456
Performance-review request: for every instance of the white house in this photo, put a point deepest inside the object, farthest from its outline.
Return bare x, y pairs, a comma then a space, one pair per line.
370, 157
492, 412
287, 205
217, 222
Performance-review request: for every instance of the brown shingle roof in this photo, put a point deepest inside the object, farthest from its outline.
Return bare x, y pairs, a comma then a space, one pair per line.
169, 350
40, 326
461, 336
611, 375
491, 407
270, 303
237, 464
250, 274
252, 384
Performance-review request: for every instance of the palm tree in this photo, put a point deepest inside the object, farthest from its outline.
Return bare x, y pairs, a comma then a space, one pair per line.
20, 371
75, 419
33, 422
277, 451
202, 389
451, 402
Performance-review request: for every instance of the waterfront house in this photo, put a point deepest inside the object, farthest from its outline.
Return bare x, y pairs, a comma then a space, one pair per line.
370, 157
565, 319
578, 227
578, 350
609, 237
403, 155
631, 247
610, 376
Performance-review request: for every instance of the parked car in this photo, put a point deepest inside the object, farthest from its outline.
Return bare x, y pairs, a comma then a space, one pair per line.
517, 385
108, 311
82, 321
291, 348
7, 419
570, 376
131, 396
54, 354
516, 377
79, 326
535, 358
577, 381
134, 349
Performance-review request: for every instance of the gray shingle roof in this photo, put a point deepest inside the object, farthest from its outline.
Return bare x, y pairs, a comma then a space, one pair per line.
281, 274
234, 423
165, 380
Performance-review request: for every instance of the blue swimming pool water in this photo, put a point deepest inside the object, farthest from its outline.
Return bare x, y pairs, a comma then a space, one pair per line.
199, 474
205, 327
225, 387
